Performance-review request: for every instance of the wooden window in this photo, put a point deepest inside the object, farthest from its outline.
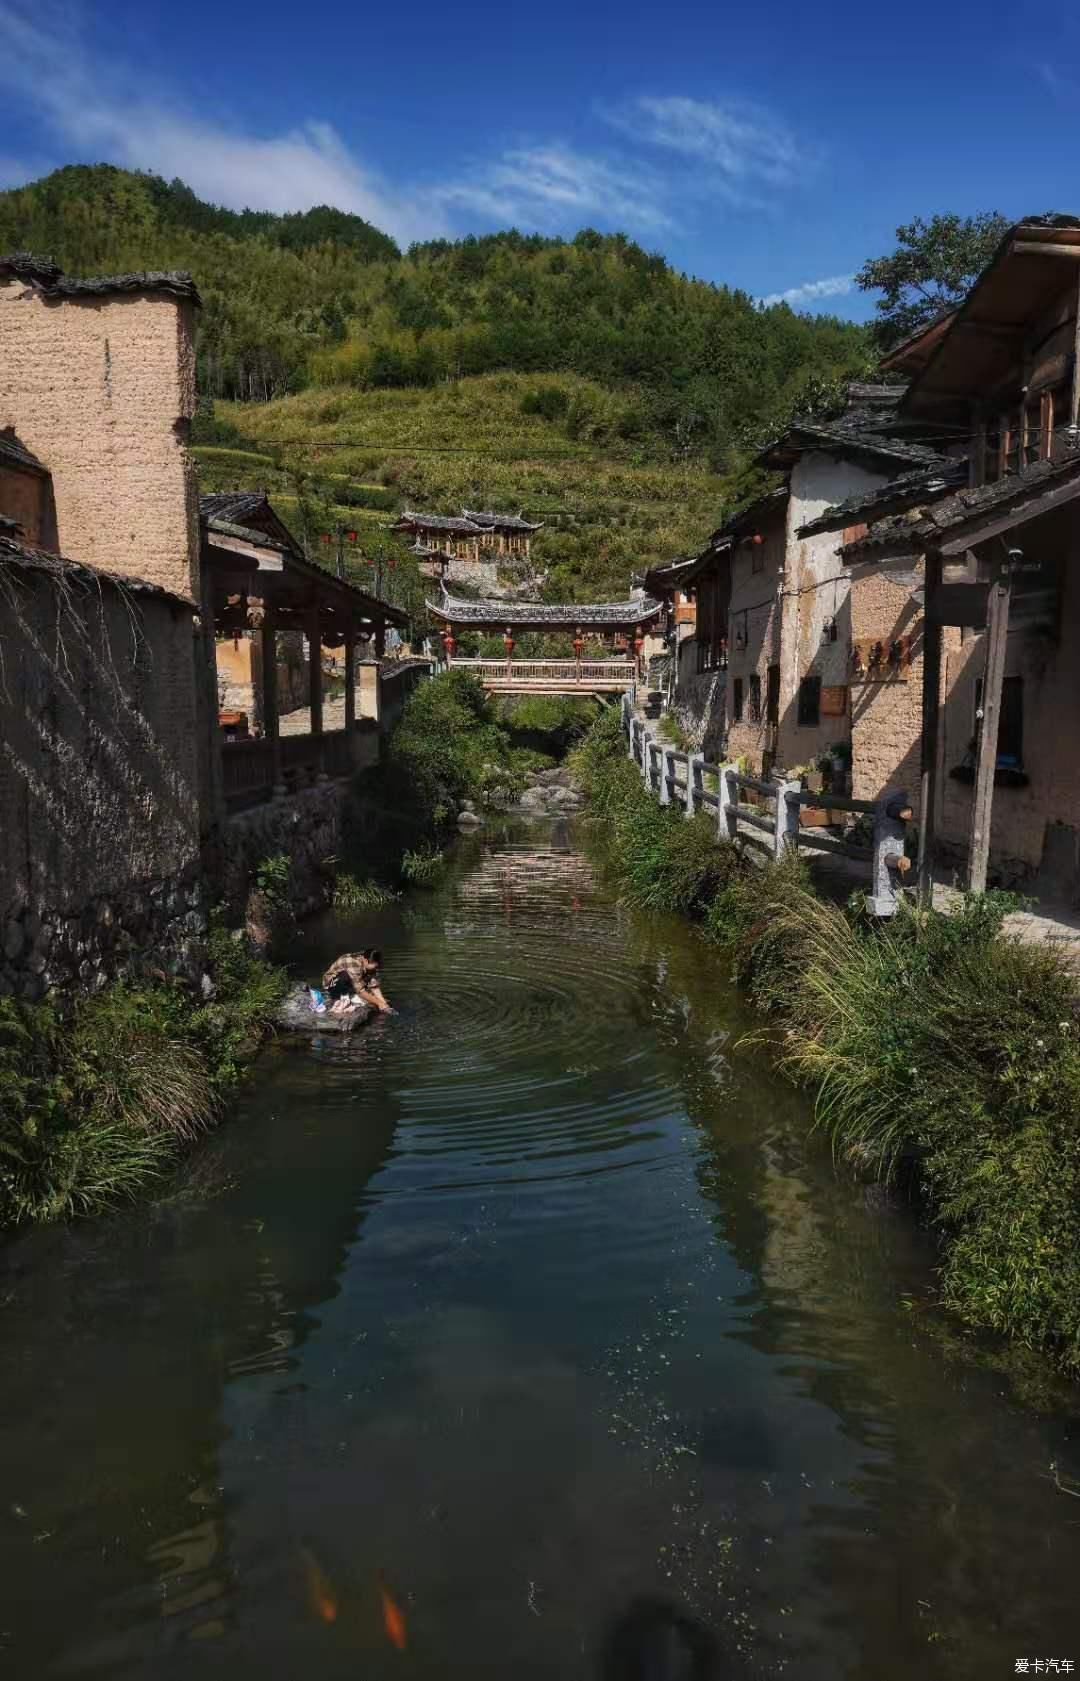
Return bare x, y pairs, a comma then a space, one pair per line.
1010, 742
755, 698
810, 702
737, 700
772, 696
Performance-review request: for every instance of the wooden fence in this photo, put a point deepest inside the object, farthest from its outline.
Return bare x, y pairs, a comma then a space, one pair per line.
773, 823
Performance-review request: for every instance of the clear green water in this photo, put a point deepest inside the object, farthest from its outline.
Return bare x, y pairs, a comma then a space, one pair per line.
539, 1304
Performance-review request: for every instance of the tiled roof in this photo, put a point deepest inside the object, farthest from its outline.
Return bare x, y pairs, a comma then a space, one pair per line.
503, 522
968, 504
232, 528
667, 576
41, 272
27, 558
438, 522
16, 454
544, 612
920, 485
899, 534
759, 509
913, 531
231, 504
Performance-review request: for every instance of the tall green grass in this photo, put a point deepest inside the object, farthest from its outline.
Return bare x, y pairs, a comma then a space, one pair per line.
97, 1104
936, 1044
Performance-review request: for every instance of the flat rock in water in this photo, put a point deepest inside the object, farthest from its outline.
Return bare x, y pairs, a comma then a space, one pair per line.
297, 1016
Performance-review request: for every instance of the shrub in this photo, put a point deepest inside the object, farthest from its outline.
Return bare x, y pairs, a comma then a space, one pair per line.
424, 867
369, 894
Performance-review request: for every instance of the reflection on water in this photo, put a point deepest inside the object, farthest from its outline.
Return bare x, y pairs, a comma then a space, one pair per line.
526, 1334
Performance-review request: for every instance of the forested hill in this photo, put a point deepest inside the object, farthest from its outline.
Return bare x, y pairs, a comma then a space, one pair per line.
583, 379
322, 297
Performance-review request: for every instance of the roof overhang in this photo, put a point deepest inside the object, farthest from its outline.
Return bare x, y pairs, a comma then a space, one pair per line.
984, 339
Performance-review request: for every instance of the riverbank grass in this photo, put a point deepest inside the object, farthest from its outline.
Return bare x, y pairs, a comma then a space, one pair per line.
939, 1050
96, 1105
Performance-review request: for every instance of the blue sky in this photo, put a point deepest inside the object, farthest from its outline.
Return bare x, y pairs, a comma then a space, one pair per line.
771, 146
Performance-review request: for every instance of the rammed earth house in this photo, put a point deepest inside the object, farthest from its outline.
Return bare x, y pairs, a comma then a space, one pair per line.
123, 806
965, 595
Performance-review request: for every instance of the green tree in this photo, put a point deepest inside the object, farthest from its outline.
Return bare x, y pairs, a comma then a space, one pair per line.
933, 268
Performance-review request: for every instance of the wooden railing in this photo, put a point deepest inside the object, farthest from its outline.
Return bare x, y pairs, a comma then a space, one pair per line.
774, 822
551, 676
248, 765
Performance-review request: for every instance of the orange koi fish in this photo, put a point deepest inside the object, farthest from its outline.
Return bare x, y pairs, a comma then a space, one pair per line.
321, 1595
393, 1620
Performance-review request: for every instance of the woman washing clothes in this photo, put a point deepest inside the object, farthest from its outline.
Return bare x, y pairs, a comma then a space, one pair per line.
354, 978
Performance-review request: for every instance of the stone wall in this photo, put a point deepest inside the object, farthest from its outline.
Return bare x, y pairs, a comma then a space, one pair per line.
308, 827
699, 701
102, 389
99, 843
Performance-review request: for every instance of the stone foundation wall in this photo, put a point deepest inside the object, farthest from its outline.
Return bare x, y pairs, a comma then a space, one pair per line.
158, 925
307, 827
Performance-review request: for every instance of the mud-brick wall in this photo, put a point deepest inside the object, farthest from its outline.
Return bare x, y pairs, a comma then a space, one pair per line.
886, 713
102, 389
99, 810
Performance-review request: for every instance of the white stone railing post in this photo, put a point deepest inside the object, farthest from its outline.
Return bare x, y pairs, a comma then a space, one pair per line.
694, 762
667, 771
727, 798
892, 813
786, 833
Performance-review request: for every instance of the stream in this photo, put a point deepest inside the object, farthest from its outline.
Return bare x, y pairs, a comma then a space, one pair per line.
528, 1334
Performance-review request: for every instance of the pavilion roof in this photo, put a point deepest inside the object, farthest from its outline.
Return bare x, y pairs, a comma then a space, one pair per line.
500, 522
438, 522
545, 614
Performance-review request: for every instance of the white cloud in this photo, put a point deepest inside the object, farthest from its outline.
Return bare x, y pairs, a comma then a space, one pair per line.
550, 186
741, 148
835, 286
94, 107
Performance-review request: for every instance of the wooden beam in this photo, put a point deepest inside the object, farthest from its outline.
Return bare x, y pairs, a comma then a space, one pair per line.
931, 722
267, 638
350, 675
1075, 400
315, 694
1035, 248
997, 630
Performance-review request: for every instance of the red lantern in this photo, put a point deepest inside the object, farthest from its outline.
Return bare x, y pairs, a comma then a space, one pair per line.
370, 560
508, 644
448, 643
757, 539
639, 641
324, 536
579, 645
392, 562
351, 535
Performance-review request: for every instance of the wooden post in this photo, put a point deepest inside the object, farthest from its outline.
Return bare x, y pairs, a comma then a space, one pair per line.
997, 630
269, 697
785, 835
380, 639
350, 675
931, 727
315, 683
